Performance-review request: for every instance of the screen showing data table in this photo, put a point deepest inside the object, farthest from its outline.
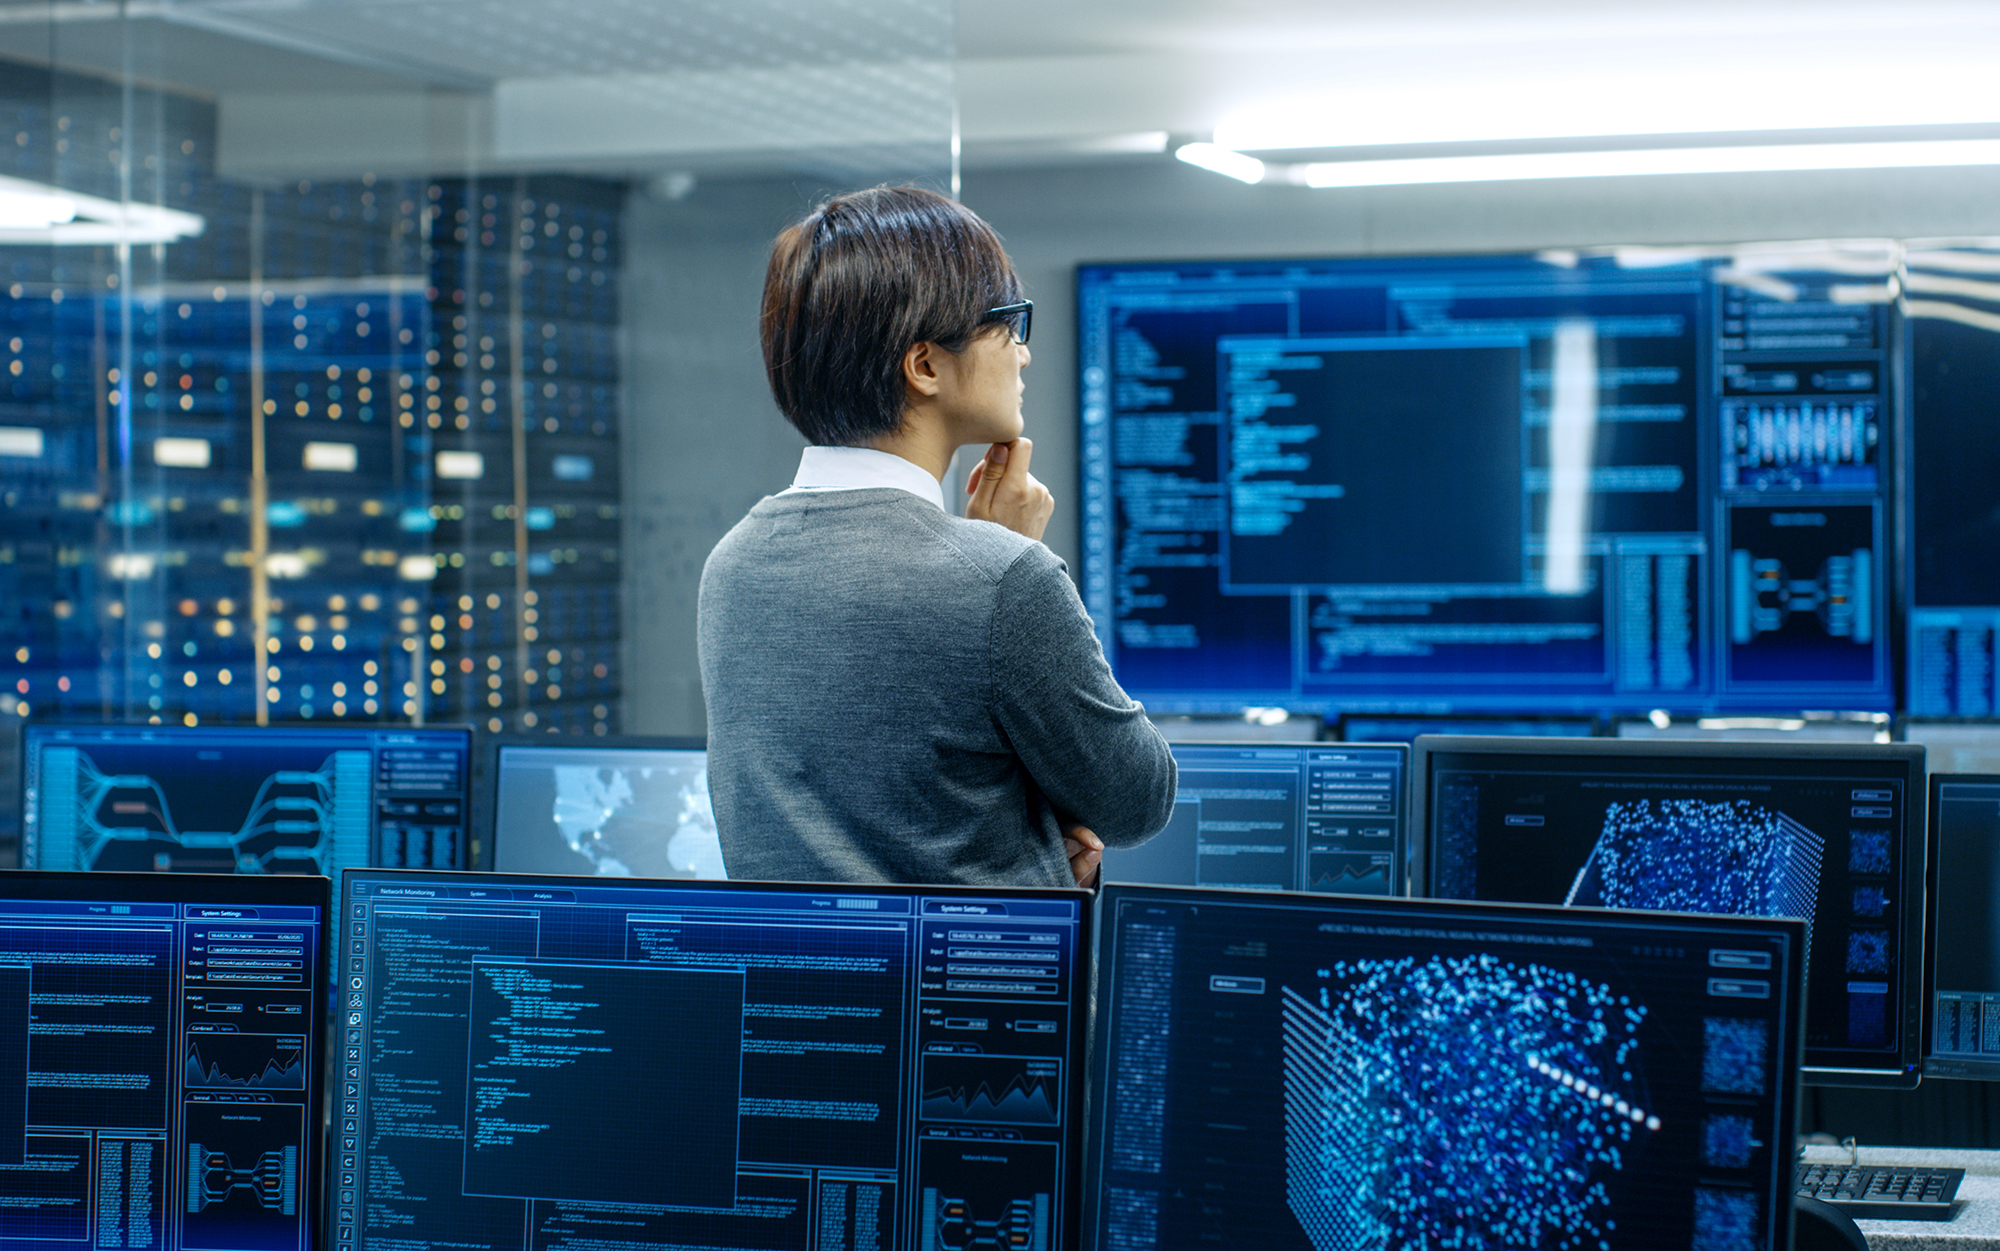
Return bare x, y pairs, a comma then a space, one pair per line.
1558, 483
161, 1061
1964, 926
1328, 1073
1278, 816
544, 1062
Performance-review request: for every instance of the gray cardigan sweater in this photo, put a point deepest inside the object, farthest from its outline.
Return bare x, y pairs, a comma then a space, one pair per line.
897, 694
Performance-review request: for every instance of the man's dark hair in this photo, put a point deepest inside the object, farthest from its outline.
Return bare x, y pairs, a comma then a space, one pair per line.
852, 288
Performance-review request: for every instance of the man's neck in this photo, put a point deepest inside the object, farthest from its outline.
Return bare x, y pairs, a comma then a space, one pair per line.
921, 441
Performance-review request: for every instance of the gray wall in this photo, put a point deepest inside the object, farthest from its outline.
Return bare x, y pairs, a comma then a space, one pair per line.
702, 441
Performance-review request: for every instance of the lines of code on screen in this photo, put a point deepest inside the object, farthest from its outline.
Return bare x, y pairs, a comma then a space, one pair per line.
606, 1063
1502, 483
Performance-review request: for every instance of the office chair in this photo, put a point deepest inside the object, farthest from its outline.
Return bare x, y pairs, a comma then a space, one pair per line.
1820, 1226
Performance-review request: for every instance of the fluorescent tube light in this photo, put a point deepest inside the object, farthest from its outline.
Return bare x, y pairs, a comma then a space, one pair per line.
1734, 160
1604, 89
1222, 161
36, 213
34, 210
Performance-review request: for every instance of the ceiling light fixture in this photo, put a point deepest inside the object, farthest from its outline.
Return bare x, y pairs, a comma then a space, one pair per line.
1751, 159
1596, 89
34, 210
1222, 160
35, 213
1525, 166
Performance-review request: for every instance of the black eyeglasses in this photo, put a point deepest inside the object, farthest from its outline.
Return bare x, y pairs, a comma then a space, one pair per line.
1020, 318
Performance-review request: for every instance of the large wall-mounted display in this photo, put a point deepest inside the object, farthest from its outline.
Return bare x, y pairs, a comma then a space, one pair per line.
1952, 302
1555, 483
311, 451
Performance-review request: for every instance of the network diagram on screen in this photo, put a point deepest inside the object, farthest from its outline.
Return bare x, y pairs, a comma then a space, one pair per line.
846, 1068
1506, 483
1328, 1078
289, 799
159, 1073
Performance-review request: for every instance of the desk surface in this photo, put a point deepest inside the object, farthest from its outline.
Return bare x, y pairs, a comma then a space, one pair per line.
1977, 1225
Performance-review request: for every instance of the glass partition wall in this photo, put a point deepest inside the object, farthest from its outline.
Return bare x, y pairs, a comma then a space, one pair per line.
310, 334
311, 337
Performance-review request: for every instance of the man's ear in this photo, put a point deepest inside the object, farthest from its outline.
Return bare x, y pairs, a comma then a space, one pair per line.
920, 369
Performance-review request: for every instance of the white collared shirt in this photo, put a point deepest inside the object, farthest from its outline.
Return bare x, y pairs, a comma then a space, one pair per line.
862, 468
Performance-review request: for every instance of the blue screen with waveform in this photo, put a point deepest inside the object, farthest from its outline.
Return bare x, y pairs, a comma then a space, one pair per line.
169, 1091
729, 1065
1325, 1074
245, 1061
290, 799
994, 1090
1827, 832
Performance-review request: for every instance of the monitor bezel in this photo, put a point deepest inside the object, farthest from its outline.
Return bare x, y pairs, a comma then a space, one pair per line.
1598, 724
486, 774
1082, 1007
250, 890
1915, 847
1805, 730
1933, 1066
1103, 994
468, 735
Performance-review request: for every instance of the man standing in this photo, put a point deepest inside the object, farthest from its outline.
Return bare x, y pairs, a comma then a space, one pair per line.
896, 693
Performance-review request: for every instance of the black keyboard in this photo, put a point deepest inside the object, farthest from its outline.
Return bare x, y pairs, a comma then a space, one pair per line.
1883, 1192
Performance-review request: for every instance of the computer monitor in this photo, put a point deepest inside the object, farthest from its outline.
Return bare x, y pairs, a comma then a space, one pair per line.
1950, 480
1278, 816
1831, 833
616, 806
1330, 1073
243, 799
729, 1065
1963, 1035
1955, 744
10, 792
162, 1060
1577, 483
